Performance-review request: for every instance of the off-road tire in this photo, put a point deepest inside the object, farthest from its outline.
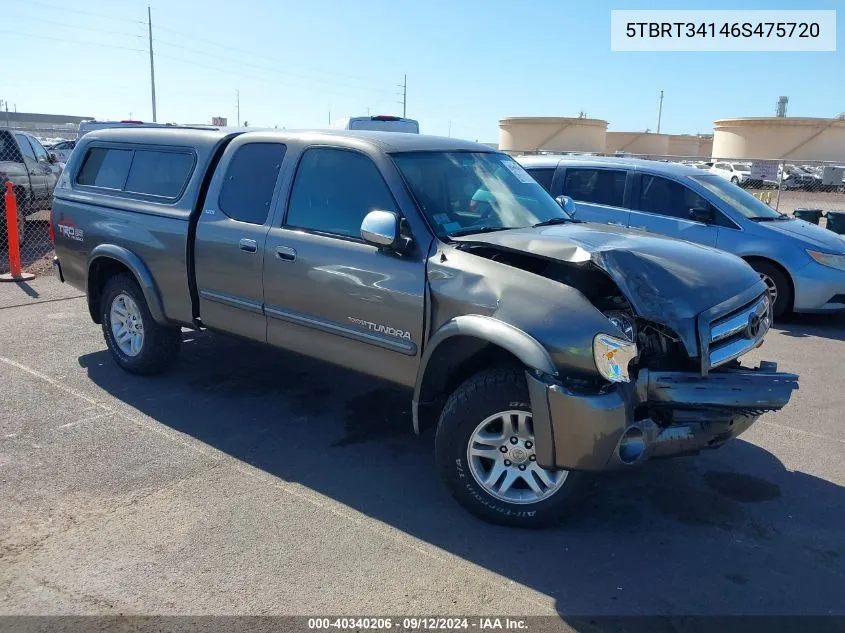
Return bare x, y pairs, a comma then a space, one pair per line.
482, 395
161, 344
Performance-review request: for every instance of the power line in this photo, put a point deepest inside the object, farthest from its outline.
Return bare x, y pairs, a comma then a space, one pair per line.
268, 68
81, 12
73, 26
208, 42
70, 41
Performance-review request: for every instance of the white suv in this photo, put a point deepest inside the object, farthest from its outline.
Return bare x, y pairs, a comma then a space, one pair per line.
737, 173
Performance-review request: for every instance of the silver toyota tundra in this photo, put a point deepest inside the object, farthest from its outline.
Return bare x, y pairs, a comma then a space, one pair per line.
541, 348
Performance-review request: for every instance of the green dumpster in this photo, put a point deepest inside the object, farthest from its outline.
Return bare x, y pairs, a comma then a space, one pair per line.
810, 215
836, 221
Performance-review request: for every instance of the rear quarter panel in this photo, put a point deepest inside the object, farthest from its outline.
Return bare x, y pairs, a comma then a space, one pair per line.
155, 231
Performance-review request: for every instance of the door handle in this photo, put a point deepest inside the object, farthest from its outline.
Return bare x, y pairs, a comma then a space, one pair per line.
248, 245
285, 253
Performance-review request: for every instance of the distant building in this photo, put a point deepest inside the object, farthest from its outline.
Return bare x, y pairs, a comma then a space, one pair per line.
43, 125
219, 121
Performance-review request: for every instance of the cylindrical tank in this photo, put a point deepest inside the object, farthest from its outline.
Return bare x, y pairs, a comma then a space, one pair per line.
554, 134
705, 147
684, 145
637, 143
790, 138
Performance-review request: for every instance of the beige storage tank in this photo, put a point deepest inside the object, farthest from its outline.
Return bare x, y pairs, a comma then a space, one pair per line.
685, 145
637, 143
553, 134
705, 147
791, 138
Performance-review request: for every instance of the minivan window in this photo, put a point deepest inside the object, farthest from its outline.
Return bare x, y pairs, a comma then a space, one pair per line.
40, 152
599, 186
156, 173
250, 181
26, 148
667, 197
543, 176
738, 199
334, 189
105, 167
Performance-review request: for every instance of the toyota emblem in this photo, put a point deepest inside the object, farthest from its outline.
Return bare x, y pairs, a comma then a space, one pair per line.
753, 328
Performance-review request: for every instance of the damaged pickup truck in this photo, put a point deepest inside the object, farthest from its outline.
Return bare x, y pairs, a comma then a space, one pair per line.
541, 348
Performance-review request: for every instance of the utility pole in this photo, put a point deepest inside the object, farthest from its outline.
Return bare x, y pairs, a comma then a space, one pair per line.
659, 111
450, 128
404, 102
238, 105
152, 64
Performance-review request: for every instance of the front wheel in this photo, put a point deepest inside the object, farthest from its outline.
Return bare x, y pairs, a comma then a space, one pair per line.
137, 343
485, 454
780, 290
735, 180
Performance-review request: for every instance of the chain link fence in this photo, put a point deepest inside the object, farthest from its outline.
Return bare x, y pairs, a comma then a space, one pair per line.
29, 171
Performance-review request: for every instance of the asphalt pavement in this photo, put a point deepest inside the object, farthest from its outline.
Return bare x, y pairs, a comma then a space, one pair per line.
252, 481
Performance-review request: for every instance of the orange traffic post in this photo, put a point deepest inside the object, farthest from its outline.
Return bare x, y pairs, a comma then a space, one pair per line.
14, 273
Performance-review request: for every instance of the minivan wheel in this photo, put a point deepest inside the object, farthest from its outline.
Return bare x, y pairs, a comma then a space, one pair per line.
735, 180
779, 287
485, 454
136, 342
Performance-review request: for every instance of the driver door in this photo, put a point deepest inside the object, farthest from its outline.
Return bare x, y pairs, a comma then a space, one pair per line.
663, 206
327, 293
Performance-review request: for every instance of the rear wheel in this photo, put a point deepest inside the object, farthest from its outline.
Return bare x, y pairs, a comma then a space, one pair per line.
137, 343
735, 180
780, 290
486, 455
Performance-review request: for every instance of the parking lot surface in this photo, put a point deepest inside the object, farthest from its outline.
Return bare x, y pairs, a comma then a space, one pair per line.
253, 481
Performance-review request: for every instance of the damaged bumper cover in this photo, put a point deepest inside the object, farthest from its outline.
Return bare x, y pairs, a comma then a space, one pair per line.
662, 414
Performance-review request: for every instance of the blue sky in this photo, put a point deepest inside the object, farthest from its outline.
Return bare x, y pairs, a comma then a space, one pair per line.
469, 63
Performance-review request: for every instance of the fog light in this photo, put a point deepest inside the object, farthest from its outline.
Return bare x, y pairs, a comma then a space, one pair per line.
632, 445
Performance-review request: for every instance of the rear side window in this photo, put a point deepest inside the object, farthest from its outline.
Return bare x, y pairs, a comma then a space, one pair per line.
543, 177
105, 167
333, 191
669, 198
250, 181
160, 174
599, 186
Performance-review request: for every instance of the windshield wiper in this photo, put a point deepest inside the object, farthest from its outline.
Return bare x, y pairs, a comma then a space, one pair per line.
470, 230
776, 218
553, 221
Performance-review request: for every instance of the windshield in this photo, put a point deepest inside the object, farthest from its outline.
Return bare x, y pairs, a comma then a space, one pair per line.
464, 192
738, 199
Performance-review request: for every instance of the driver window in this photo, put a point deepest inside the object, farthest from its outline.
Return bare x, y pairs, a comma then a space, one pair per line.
669, 198
334, 189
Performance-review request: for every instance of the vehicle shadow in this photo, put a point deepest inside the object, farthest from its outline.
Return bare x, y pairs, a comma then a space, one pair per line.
730, 532
829, 326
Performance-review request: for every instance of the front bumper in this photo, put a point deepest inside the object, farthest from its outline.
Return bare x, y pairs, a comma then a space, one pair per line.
663, 414
819, 289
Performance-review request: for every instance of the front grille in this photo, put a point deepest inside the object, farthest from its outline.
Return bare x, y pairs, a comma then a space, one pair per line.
739, 332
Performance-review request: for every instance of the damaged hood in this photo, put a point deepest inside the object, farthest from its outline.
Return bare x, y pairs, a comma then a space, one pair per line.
666, 280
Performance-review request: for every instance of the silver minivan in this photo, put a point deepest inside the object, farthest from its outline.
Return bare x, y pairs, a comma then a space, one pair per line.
803, 264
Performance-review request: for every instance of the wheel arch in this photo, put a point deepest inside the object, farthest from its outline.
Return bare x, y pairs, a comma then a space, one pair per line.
107, 260
463, 346
767, 260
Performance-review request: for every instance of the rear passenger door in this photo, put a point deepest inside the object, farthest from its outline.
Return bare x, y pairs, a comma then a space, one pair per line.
598, 193
37, 176
231, 234
663, 206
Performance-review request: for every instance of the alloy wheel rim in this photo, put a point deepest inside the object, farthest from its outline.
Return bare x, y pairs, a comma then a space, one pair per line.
770, 284
127, 326
502, 460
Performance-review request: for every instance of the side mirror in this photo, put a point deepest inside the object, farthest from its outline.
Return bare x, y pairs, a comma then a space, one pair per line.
704, 215
567, 204
383, 229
